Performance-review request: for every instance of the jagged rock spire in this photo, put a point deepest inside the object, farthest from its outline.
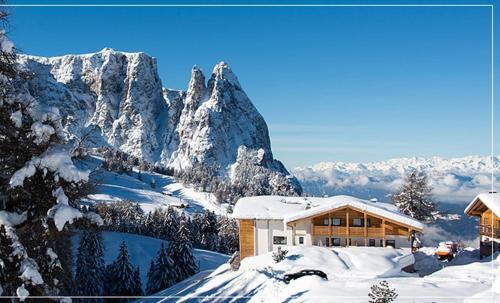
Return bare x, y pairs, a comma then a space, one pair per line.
196, 89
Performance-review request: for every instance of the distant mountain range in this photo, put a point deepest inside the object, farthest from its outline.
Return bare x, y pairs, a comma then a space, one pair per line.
455, 180
117, 99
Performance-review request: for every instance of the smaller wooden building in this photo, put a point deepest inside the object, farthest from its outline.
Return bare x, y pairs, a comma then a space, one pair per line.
266, 222
487, 208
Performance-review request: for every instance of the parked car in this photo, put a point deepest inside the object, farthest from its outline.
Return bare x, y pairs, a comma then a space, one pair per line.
447, 250
306, 272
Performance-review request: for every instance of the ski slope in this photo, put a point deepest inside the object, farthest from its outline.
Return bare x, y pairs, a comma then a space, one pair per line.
351, 272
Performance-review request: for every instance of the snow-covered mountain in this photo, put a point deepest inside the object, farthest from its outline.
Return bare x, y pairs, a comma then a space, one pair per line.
117, 99
455, 180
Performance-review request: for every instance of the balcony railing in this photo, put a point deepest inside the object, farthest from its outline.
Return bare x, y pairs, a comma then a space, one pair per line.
321, 230
489, 231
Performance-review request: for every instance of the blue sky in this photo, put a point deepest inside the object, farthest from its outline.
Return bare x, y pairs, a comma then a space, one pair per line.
334, 84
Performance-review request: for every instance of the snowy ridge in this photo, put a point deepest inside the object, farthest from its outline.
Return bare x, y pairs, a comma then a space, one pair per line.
453, 180
117, 99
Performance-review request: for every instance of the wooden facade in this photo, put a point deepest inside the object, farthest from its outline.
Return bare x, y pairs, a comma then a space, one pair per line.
247, 238
489, 227
349, 222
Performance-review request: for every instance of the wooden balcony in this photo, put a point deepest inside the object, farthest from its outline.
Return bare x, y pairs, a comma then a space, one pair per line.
489, 231
355, 232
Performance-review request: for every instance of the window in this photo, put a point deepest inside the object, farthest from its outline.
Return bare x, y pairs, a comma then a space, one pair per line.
336, 241
486, 221
371, 242
301, 240
357, 222
279, 240
368, 222
325, 221
390, 243
336, 221
381, 242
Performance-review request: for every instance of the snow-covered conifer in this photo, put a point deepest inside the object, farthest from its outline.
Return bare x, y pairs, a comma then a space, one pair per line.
171, 224
38, 182
8, 264
90, 268
414, 198
209, 231
228, 241
161, 273
381, 293
121, 276
180, 250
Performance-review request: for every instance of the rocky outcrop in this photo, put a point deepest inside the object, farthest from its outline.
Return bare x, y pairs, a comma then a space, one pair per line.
118, 98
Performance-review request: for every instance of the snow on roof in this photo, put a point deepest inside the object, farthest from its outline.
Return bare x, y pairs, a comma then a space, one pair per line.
490, 200
294, 208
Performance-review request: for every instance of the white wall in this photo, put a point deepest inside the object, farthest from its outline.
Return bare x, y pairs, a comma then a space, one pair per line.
401, 241
265, 230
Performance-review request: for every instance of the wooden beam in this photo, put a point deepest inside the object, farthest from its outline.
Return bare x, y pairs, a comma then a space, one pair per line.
366, 229
329, 229
383, 232
347, 223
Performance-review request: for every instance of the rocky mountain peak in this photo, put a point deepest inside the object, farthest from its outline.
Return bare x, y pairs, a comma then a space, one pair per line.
120, 98
196, 89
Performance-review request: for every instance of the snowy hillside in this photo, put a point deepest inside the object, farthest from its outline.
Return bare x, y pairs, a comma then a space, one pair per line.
350, 271
112, 186
455, 180
117, 99
142, 249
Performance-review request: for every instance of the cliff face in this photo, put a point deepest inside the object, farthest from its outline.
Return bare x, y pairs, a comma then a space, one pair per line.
117, 99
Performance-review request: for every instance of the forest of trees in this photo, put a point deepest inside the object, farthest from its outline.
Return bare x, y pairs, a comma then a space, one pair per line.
203, 230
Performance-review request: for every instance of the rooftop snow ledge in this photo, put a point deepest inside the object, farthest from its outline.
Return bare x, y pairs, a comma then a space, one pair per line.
273, 208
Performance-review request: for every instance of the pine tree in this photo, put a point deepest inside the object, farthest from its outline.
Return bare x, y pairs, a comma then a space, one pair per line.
171, 224
32, 189
161, 273
381, 293
209, 231
122, 278
8, 264
137, 282
414, 198
181, 252
90, 268
228, 238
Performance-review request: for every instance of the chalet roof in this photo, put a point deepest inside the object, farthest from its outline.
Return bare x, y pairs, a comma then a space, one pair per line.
490, 200
291, 209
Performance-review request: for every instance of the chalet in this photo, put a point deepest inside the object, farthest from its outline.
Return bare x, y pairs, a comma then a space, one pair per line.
487, 208
266, 222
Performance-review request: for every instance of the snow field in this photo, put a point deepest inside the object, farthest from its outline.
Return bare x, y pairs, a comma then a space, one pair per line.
351, 272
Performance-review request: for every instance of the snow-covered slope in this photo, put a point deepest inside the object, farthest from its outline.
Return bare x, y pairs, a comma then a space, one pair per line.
455, 180
351, 272
118, 99
112, 187
142, 249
